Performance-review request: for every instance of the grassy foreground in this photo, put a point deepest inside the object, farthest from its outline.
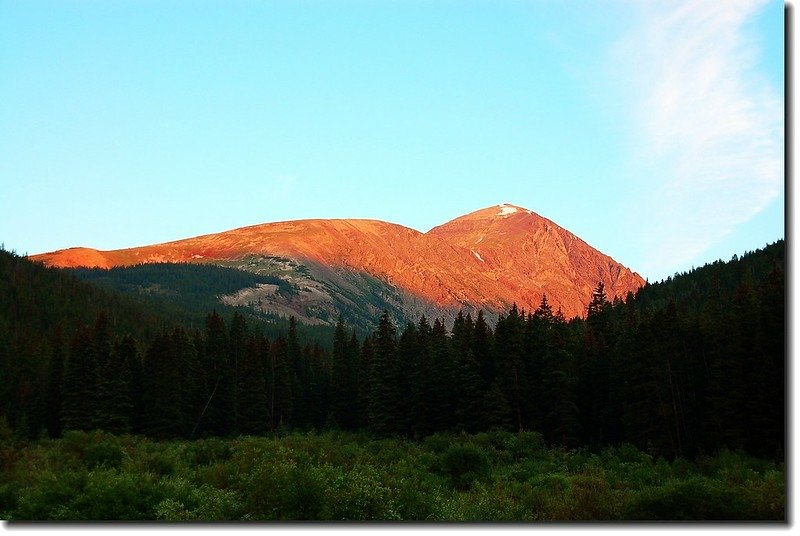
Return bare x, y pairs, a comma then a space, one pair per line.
343, 476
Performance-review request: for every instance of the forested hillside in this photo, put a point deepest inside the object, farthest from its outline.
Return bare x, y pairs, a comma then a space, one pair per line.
689, 365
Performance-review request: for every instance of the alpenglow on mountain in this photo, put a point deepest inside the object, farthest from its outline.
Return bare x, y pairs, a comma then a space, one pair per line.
488, 259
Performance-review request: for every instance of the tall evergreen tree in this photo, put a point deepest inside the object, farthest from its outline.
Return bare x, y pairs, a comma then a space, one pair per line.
216, 415
416, 353
366, 376
300, 370
280, 385
509, 347
237, 348
163, 386
78, 387
114, 403
442, 395
482, 349
384, 403
468, 388
593, 388
55, 379
254, 417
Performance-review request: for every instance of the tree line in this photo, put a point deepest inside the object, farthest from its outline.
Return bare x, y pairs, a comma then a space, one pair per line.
675, 377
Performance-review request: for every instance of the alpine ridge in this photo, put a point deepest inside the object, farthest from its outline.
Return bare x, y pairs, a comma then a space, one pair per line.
487, 259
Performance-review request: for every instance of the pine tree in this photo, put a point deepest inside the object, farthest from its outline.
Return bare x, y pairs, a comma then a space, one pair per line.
237, 348
482, 351
280, 385
78, 387
416, 353
539, 328
468, 388
300, 378
593, 388
344, 382
254, 417
55, 377
384, 403
509, 347
365, 382
442, 394
216, 415
407, 354
115, 406
101, 355
771, 402
165, 386
497, 414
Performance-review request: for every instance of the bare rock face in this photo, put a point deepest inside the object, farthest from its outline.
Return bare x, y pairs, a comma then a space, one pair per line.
487, 259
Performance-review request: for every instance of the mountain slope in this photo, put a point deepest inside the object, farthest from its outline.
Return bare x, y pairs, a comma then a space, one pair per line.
487, 259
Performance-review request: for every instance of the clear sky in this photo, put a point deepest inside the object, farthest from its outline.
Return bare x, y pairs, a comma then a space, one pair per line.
651, 129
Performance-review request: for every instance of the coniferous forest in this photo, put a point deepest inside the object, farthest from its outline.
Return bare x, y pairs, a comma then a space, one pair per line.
667, 404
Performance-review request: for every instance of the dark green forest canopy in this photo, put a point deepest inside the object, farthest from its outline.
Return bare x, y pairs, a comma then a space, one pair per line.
195, 289
690, 365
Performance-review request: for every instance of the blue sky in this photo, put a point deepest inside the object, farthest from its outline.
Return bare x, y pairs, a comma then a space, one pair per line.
653, 130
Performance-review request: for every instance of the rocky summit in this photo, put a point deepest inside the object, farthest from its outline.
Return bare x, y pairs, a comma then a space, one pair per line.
488, 259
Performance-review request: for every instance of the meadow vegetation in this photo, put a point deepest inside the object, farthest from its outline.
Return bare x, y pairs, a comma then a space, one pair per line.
351, 476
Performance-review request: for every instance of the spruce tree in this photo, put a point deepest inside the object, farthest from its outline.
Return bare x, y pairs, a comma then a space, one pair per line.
384, 402
237, 347
78, 386
254, 417
114, 403
280, 385
443, 389
216, 415
509, 348
55, 378
300, 370
417, 352
344, 380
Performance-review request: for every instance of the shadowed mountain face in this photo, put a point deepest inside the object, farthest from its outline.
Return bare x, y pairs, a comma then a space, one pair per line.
487, 259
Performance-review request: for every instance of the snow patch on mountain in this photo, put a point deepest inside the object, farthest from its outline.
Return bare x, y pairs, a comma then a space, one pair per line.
506, 210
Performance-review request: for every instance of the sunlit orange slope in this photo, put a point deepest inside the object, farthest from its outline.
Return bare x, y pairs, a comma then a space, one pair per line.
488, 259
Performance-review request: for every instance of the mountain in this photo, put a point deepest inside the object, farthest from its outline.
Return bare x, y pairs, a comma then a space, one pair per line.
487, 259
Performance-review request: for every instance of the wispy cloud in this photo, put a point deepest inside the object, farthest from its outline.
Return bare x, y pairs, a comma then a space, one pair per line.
707, 131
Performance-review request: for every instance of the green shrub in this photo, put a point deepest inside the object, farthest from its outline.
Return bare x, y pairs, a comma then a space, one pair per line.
553, 483
464, 464
51, 497
592, 498
158, 463
286, 491
103, 454
208, 451
203, 504
498, 501
172, 510
525, 445
359, 494
8, 498
219, 475
218, 504
110, 495
437, 443
696, 498
765, 497
74, 442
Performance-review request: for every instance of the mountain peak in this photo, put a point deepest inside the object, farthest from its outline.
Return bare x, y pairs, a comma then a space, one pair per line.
506, 209
489, 259
503, 210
